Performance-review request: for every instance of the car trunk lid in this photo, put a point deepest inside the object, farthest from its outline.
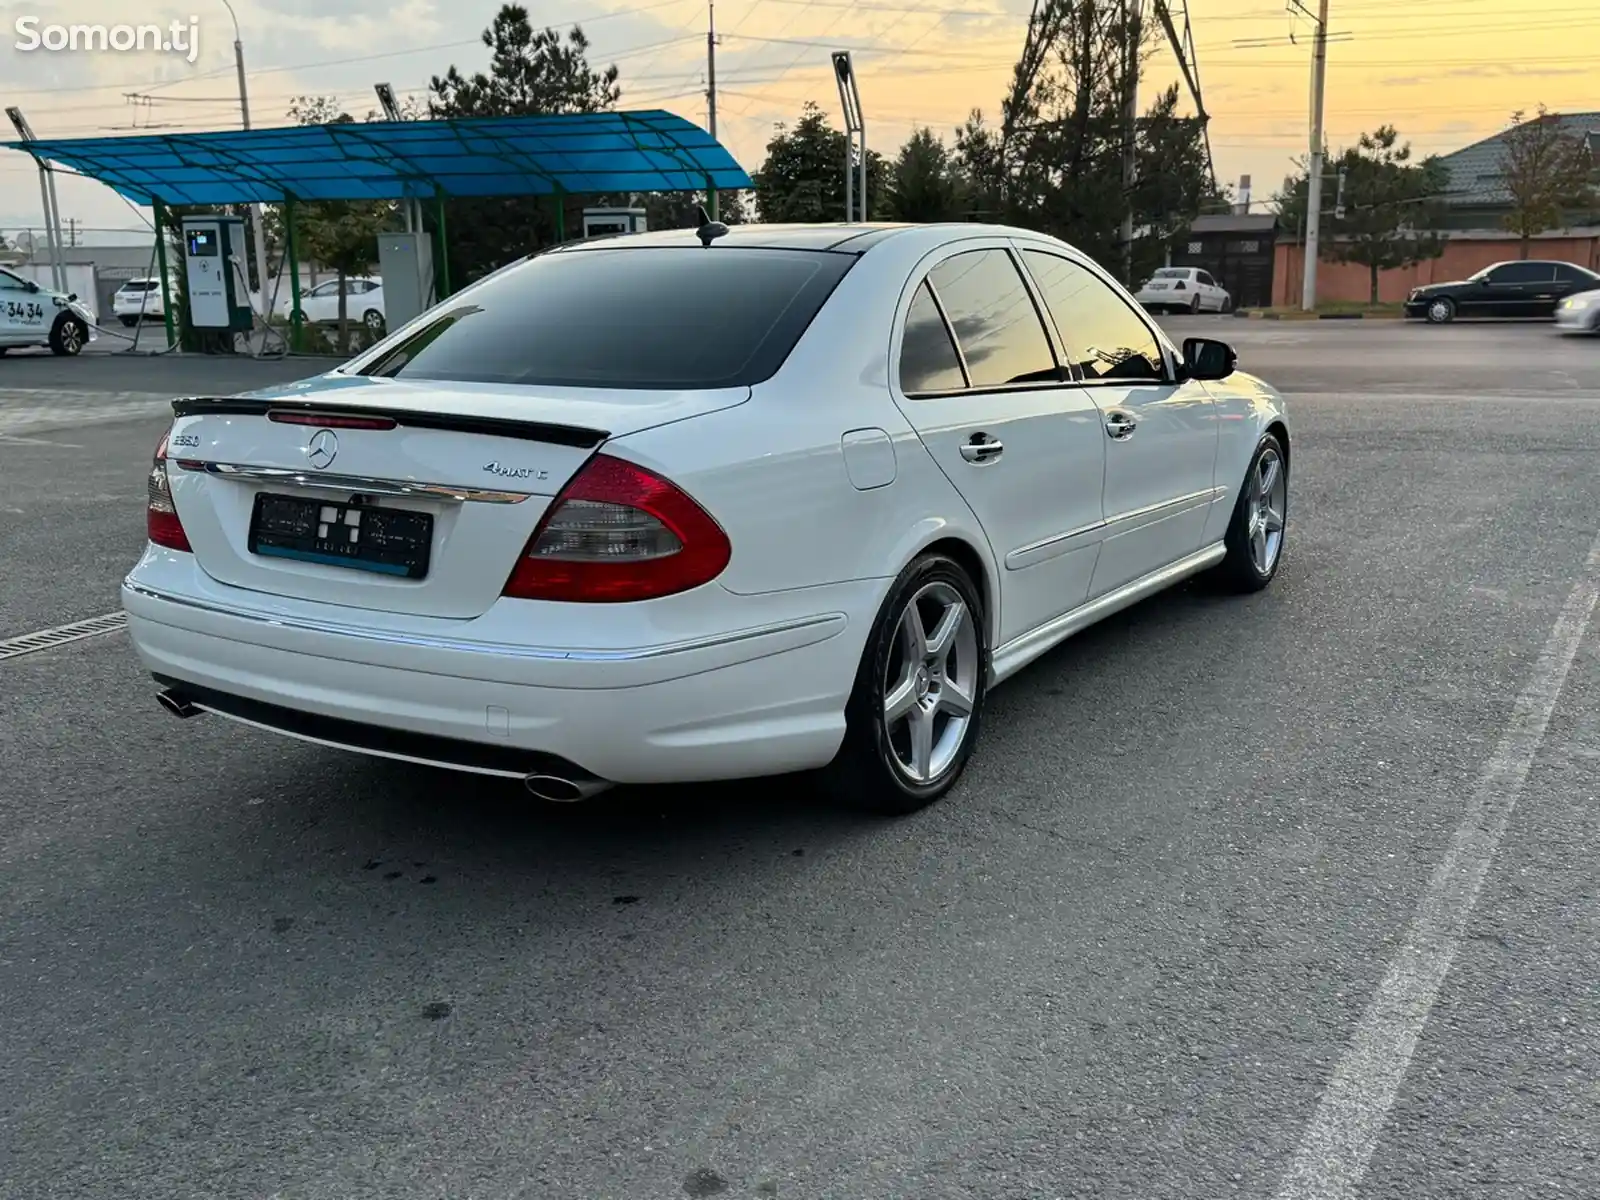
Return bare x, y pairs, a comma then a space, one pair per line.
276, 488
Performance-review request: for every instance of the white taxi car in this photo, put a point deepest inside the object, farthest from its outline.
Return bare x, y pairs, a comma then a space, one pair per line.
33, 315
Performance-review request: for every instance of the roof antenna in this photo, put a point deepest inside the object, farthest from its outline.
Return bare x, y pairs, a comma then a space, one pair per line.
709, 230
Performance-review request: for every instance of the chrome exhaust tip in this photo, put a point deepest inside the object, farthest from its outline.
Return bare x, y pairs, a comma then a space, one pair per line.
177, 705
559, 790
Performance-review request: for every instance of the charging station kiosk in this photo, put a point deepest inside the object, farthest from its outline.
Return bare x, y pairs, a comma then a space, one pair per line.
606, 222
214, 274
405, 261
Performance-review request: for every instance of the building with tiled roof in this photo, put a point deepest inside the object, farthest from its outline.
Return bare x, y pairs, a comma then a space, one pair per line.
1476, 196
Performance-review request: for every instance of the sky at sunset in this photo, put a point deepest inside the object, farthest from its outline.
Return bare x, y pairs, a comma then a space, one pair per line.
1445, 72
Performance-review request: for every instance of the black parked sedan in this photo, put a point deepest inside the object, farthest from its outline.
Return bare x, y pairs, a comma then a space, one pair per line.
1532, 288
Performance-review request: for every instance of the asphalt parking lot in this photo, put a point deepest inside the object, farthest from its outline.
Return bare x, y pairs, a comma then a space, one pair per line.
1285, 897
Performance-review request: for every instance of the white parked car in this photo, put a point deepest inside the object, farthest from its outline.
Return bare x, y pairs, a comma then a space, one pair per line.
136, 298
33, 315
1184, 289
638, 510
363, 302
1579, 313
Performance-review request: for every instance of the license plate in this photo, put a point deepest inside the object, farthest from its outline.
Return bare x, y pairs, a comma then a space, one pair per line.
364, 537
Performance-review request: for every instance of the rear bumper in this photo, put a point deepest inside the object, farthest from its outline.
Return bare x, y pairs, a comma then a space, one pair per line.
763, 694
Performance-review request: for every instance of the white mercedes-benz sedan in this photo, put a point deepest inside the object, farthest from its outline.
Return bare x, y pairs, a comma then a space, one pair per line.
704, 504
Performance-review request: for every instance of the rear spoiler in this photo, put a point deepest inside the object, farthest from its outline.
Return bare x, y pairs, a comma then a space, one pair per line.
528, 431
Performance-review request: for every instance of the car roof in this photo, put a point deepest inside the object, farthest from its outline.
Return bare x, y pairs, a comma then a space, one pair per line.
844, 238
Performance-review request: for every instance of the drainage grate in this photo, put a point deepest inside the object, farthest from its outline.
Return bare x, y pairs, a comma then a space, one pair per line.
48, 639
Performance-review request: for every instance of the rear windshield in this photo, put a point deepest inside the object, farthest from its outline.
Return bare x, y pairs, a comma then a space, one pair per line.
137, 285
647, 317
1171, 273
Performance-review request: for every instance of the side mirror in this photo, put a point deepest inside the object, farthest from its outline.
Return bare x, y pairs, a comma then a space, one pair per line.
32, 286
71, 296
1207, 358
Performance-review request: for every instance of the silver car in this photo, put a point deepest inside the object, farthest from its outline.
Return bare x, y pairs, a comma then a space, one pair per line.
1579, 313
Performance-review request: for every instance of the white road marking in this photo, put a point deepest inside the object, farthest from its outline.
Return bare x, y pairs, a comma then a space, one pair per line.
1335, 1149
49, 639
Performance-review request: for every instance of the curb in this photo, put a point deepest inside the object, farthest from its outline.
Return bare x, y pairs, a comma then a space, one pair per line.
1258, 315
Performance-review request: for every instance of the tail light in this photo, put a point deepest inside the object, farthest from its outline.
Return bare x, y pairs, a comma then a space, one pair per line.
618, 532
161, 516
1178, 287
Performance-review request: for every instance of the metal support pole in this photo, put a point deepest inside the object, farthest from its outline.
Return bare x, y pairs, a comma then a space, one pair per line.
296, 317
442, 271
711, 199
58, 269
844, 74
1319, 67
47, 195
861, 132
561, 215
159, 211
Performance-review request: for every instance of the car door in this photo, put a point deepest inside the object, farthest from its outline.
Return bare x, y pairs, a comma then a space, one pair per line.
979, 381
321, 303
1511, 288
1160, 434
1210, 296
1572, 279
22, 311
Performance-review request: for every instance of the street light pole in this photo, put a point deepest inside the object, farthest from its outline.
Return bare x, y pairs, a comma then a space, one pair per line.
255, 209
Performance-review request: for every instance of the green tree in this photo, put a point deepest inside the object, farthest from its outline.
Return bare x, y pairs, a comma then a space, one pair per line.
531, 73
1172, 183
923, 182
1547, 170
341, 235
1391, 206
802, 178
1054, 162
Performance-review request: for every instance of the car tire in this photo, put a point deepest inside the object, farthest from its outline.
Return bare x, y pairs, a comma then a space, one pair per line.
68, 336
128, 322
1254, 547
1227, 304
1440, 311
1194, 305
883, 767
373, 320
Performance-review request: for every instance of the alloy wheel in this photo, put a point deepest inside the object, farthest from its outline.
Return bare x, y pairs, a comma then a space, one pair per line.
1269, 497
930, 683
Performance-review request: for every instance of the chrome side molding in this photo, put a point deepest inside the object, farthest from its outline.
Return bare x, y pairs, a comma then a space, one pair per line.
348, 484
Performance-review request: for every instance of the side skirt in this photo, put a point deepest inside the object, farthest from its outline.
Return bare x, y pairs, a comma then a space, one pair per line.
1010, 658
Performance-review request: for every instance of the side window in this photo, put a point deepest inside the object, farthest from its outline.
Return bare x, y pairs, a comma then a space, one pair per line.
325, 289
1203, 278
1104, 337
10, 283
1567, 273
994, 319
928, 361
1522, 272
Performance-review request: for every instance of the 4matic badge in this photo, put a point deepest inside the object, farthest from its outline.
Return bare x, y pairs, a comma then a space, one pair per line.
505, 472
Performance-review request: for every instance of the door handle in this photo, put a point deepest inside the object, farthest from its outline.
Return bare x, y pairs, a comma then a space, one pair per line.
1120, 426
982, 449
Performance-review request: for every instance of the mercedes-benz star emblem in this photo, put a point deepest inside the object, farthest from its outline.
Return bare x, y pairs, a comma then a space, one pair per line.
323, 449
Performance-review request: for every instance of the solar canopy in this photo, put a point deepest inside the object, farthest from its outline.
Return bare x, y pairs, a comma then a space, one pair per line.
578, 153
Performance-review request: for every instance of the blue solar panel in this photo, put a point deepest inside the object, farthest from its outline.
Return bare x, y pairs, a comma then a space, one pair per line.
582, 153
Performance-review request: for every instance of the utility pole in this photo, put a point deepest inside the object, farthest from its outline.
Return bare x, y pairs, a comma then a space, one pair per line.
711, 92
47, 197
1130, 123
1319, 70
410, 206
